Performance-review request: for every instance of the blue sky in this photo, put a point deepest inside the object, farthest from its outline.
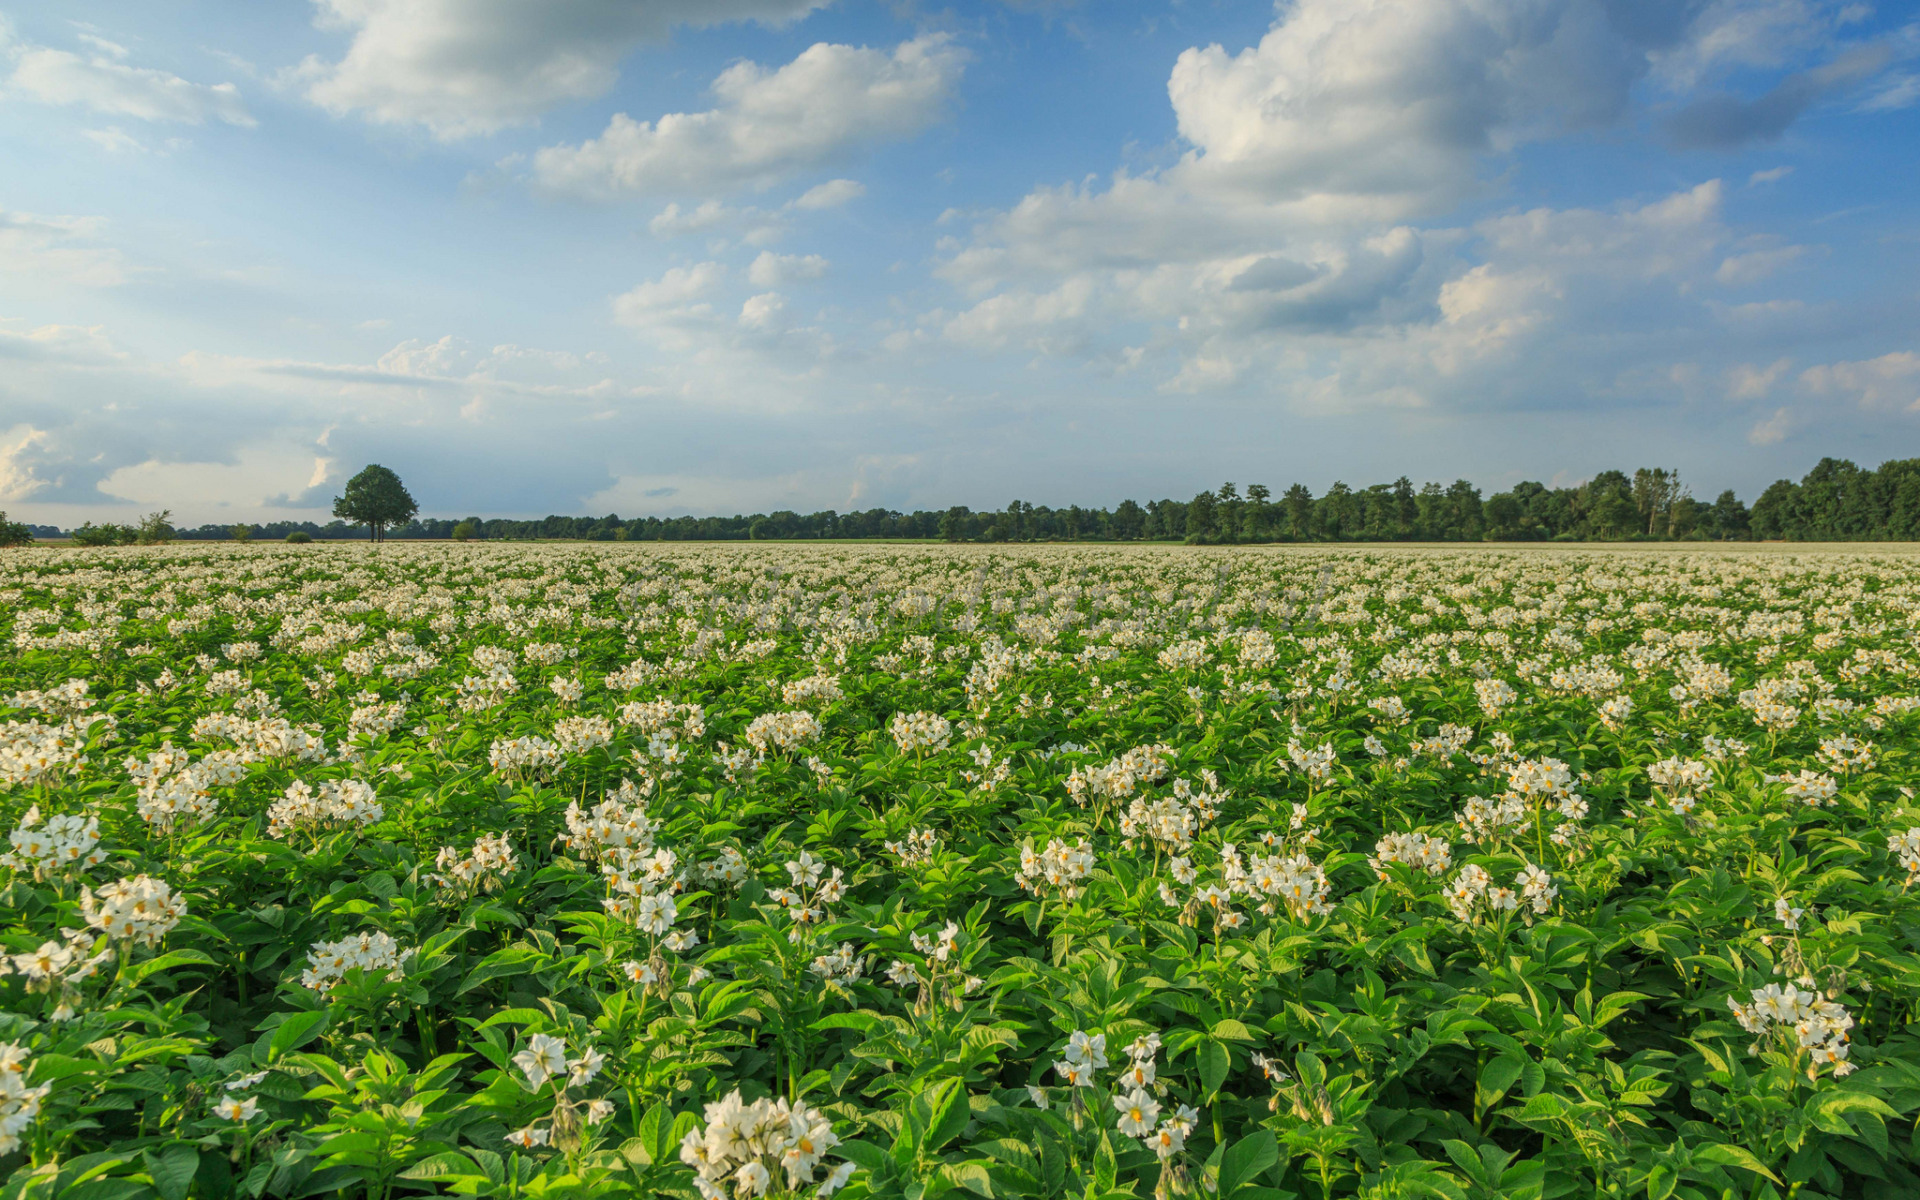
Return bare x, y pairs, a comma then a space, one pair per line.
733, 255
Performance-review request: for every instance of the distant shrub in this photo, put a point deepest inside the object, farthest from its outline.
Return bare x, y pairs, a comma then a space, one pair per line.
13, 533
155, 528
463, 532
242, 533
298, 538
109, 534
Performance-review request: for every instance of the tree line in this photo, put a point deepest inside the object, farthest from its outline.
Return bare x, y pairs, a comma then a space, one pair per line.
1836, 501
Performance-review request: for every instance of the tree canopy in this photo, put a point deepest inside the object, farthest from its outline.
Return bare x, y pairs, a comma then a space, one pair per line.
376, 498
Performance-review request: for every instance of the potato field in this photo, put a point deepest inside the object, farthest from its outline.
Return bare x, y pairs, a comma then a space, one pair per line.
775, 870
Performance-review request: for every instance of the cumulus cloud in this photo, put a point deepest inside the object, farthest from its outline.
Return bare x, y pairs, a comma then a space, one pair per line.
1773, 429
765, 312
105, 84
1294, 247
1753, 266
20, 448
680, 289
1748, 382
768, 124
59, 343
1898, 90
1727, 122
772, 270
1891, 381
1383, 108
58, 248
461, 68
831, 194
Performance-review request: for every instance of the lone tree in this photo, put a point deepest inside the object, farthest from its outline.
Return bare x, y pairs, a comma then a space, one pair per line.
375, 498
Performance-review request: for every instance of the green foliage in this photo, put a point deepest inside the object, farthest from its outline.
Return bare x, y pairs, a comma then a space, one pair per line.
994, 872
13, 533
90, 534
154, 529
377, 499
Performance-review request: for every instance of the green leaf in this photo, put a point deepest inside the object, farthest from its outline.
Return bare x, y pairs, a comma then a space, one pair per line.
1725, 1155
1215, 1062
969, 1175
172, 1170
1498, 1075
1245, 1160
445, 1165
949, 1115
1661, 1181
166, 962
653, 1131
294, 1032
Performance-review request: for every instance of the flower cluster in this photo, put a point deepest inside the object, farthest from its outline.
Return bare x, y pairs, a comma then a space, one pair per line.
742, 1145
1906, 847
781, 731
1417, 850
1121, 778
235, 1107
19, 1104
336, 803
60, 966
814, 888
524, 757
31, 751
45, 846
919, 732
483, 870
329, 962
140, 909
814, 689
576, 736
1060, 867
1810, 788
544, 1060
1805, 1020
1473, 892
916, 849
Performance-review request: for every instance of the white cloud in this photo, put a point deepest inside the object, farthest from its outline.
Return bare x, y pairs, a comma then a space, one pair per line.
1727, 35
20, 446
254, 480
445, 358
1772, 430
765, 312
1645, 242
1899, 90
772, 270
829, 102
1739, 270
754, 226
676, 290
1770, 175
106, 85
114, 140
58, 248
1891, 381
1748, 382
831, 194
65, 343
462, 68
1384, 108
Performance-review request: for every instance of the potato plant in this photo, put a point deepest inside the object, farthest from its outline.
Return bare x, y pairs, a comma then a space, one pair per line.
569, 871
